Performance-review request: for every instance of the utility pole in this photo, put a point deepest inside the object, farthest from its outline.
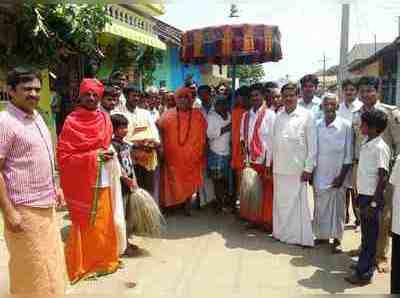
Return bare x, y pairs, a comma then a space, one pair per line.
398, 71
344, 47
324, 74
375, 43
324, 59
398, 21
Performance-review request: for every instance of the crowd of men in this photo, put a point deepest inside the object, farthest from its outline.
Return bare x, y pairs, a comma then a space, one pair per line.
192, 147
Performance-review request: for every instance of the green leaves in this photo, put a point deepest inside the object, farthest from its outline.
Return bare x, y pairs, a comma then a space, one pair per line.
249, 74
43, 29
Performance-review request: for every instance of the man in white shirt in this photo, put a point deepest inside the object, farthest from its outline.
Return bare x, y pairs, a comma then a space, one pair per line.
203, 102
372, 175
294, 156
309, 84
143, 134
334, 160
119, 79
219, 137
152, 98
347, 109
395, 273
256, 139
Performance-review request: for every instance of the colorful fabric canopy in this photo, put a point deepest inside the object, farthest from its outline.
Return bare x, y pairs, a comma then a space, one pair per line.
232, 44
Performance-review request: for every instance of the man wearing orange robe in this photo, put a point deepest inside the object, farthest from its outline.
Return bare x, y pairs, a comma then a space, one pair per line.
256, 137
83, 152
183, 137
237, 161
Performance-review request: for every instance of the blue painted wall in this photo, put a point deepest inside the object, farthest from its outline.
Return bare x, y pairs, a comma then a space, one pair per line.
174, 72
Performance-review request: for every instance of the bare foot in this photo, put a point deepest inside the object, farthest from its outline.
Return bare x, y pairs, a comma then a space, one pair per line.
131, 251
354, 253
383, 267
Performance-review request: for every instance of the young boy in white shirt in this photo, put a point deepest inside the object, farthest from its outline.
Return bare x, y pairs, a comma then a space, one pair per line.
372, 175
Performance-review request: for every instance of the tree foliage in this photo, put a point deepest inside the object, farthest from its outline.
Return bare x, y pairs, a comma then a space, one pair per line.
146, 59
249, 74
45, 30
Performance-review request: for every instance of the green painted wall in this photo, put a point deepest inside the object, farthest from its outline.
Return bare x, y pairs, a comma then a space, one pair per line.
163, 71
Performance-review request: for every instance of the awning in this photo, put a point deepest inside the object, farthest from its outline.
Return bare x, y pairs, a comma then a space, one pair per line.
135, 36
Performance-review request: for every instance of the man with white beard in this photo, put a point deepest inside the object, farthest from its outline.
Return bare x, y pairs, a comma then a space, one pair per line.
334, 160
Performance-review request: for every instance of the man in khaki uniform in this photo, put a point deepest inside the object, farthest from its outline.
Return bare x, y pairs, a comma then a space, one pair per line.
368, 93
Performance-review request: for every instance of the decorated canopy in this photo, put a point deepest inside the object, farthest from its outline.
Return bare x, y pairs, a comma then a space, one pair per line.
232, 44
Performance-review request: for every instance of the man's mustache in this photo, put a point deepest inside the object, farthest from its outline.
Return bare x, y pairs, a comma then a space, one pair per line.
33, 98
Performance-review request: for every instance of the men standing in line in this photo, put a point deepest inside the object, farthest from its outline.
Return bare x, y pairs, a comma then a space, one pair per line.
309, 84
368, 91
256, 137
28, 192
334, 160
294, 154
347, 109
183, 132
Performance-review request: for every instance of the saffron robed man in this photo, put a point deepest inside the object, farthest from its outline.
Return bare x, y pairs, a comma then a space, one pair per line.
183, 134
90, 175
28, 193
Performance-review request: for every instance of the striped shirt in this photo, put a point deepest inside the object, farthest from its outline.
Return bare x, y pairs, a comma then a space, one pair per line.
26, 147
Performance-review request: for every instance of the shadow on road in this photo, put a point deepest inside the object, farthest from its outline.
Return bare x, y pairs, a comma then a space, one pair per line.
330, 269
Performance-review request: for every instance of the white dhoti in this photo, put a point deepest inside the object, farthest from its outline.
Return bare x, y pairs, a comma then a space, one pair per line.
207, 193
291, 212
330, 213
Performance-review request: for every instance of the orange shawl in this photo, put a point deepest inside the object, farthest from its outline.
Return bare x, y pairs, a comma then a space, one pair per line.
237, 162
182, 170
84, 133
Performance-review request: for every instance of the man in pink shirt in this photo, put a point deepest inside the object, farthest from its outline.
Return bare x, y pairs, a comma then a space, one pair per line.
28, 192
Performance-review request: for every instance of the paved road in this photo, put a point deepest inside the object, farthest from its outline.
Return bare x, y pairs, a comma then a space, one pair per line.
217, 256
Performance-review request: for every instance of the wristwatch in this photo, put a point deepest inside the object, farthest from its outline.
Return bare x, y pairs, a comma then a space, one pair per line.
373, 204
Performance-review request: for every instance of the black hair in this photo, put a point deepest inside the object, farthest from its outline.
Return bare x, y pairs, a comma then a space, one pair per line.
271, 85
115, 75
131, 88
349, 82
21, 75
375, 119
119, 120
369, 81
203, 88
110, 90
243, 91
289, 86
310, 78
257, 86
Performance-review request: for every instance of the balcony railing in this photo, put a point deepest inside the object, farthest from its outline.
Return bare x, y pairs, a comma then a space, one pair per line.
130, 19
